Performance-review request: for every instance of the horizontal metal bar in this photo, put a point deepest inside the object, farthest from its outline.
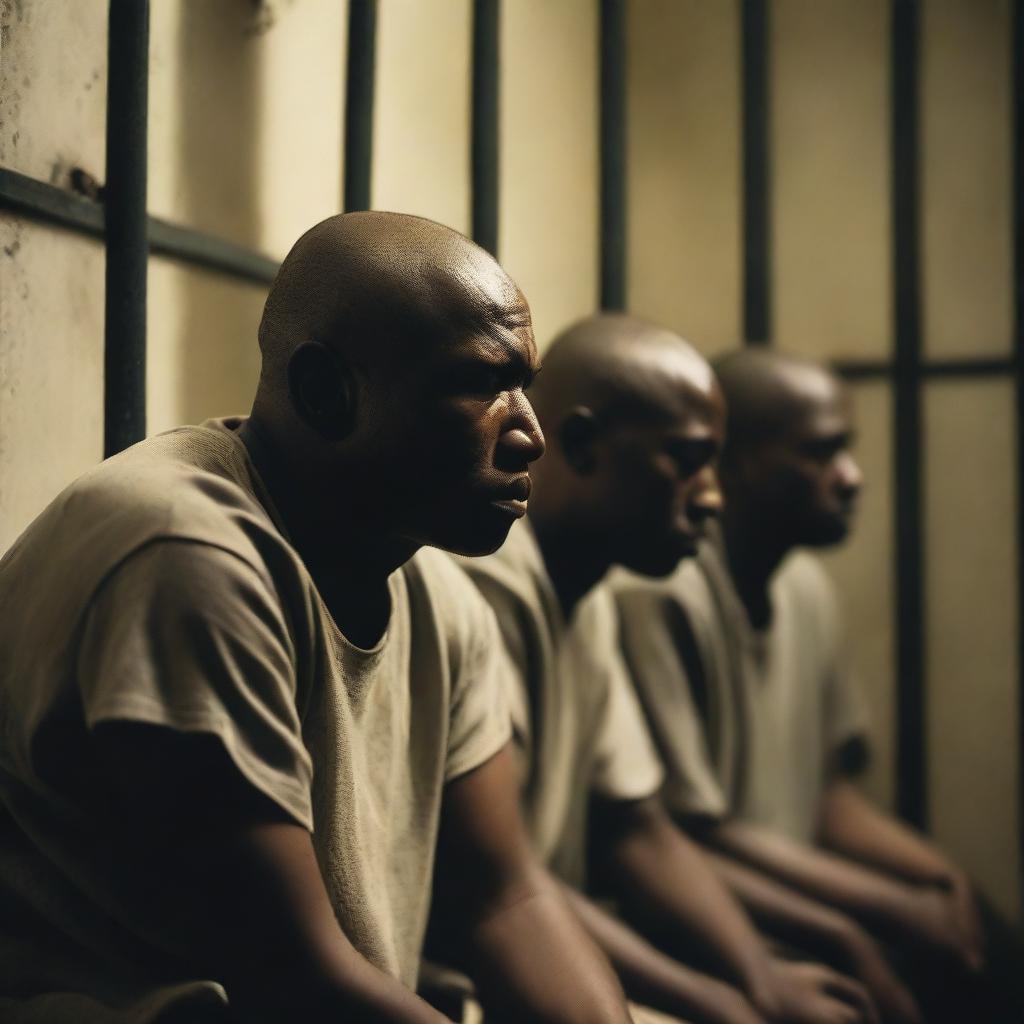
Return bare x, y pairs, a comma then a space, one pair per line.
36, 199
855, 369
201, 250
29, 197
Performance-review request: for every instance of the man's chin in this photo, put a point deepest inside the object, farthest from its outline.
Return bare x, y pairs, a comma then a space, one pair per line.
474, 541
827, 534
661, 563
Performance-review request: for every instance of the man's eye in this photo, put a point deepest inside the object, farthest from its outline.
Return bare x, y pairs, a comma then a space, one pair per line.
478, 381
822, 451
691, 457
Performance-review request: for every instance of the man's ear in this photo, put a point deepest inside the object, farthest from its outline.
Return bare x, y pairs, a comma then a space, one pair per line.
321, 388
578, 435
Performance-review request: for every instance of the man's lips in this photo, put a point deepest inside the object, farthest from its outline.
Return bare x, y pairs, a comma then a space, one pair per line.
513, 497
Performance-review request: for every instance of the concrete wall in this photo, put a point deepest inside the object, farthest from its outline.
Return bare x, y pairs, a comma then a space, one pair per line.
246, 116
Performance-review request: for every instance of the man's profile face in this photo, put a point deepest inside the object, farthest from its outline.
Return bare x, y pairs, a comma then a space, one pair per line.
465, 432
808, 480
661, 484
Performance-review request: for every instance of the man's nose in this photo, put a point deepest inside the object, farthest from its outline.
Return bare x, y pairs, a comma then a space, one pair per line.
707, 500
522, 440
849, 474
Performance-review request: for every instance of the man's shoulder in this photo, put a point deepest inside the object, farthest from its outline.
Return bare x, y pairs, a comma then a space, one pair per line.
439, 586
513, 576
687, 588
179, 486
803, 578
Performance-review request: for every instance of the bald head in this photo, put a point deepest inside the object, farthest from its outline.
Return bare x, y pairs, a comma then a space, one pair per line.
768, 393
787, 469
634, 419
371, 285
620, 366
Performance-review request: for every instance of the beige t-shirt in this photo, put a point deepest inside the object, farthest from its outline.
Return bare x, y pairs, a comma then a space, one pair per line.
746, 721
160, 588
575, 716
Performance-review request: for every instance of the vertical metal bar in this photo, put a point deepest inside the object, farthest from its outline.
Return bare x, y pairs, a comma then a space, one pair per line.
362, 54
613, 154
756, 218
1018, 322
911, 753
126, 226
484, 166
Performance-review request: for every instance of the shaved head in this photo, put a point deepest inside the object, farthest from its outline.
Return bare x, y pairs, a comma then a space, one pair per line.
767, 393
787, 468
375, 285
634, 419
620, 366
395, 357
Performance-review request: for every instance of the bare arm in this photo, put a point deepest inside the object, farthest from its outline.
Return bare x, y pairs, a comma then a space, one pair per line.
657, 980
245, 903
798, 919
503, 917
665, 879
850, 824
897, 908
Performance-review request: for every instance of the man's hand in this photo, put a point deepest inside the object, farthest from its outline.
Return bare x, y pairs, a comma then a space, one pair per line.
968, 920
868, 964
949, 923
723, 1004
807, 993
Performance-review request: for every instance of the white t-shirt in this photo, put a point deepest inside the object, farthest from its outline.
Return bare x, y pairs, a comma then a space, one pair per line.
160, 588
746, 721
575, 716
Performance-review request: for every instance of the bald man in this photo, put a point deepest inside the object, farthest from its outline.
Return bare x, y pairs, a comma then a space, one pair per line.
738, 661
241, 702
634, 419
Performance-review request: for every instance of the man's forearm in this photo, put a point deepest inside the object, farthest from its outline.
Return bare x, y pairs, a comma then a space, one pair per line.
865, 894
532, 959
784, 912
850, 824
657, 980
664, 877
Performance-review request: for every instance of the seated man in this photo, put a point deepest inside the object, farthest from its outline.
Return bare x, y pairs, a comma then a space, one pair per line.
737, 661
634, 419
239, 705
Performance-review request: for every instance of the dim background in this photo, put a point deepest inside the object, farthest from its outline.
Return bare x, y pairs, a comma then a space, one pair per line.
247, 114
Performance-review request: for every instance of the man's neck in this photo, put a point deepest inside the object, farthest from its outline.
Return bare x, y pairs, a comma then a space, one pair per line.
753, 554
574, 565
348, 560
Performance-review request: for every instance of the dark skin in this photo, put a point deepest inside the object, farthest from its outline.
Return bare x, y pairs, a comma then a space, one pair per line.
635, 487
390, 414
790, 480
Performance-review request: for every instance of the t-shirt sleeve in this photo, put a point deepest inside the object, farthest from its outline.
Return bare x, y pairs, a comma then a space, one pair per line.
844, 710
189, 636
480, 723
626, 765
662, 655
846, 718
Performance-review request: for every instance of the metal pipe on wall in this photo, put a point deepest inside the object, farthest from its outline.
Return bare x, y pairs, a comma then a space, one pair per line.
484, 131
362, 58
756, 224
613, 154
911, 748
126, 226
127, 242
